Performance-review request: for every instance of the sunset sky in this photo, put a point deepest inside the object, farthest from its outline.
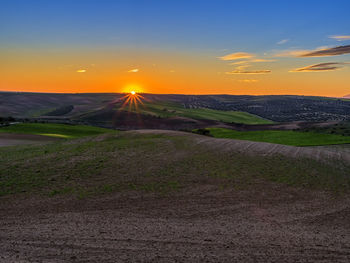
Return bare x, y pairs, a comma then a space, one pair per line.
175, 46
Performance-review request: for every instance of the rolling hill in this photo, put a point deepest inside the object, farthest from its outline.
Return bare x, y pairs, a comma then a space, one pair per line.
54, 130
294, 138
171, 109
152, 194
179, 111
107, 160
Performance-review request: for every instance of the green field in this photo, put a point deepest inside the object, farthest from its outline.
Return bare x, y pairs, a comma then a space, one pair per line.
54, 130
166, 110
153, 163
342, 128
294, 138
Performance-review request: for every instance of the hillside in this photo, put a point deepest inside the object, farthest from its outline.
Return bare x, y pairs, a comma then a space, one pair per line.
170, 109
54, 130
102, 157
103, 109
172, 196
294, 138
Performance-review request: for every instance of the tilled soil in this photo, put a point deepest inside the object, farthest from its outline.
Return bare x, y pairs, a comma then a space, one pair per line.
266, 223
321, 153
263, 222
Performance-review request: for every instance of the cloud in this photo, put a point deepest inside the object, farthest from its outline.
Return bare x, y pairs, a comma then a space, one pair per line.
240, 62
334, 51
340, 38
242, 67
283, 41
291, 53
262, 60
243, 62
319, 52
248, 80
135, 70
81, 70
329, 66
248, 72
238, 55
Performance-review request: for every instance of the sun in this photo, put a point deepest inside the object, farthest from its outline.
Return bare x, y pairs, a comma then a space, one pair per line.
132, 89
132, 99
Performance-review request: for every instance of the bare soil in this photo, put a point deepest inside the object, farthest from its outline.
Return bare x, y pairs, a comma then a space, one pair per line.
267, 223
322, 153
262, 222
344, 148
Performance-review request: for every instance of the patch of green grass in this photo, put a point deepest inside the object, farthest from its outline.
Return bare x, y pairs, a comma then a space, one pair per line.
55, 130
294, 138
167, 109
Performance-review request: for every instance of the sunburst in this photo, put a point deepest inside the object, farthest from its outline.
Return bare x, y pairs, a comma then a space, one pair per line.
132, 100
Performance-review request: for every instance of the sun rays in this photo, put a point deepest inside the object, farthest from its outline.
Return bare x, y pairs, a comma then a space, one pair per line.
132, 101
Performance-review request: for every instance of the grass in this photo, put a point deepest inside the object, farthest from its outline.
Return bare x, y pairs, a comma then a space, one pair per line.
54, 130
294, 138
342, 128
157, 164
166, 110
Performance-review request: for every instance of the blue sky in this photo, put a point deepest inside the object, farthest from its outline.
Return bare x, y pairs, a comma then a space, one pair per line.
206, 28
172, 24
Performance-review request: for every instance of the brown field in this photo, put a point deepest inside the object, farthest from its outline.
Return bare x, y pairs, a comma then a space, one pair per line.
268, 223
207, 219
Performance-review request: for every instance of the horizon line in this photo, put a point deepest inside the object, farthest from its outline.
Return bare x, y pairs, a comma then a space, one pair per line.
210, 94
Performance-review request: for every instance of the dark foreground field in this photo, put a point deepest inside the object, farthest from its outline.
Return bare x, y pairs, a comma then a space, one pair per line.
269, 223
165, 196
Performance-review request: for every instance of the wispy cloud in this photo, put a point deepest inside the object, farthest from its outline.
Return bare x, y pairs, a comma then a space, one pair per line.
283, 41
135, 70
240, 62
318, 52
290, 53
329, 66
248, 80
248, 72
340, 38
81, 70
262, 60
247, 62
334, 51
237, 55
241, 67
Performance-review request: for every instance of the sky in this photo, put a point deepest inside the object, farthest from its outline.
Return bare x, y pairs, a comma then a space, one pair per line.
176, 46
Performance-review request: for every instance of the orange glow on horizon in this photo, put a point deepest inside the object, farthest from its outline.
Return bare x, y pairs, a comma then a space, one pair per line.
132, 89
185, 74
